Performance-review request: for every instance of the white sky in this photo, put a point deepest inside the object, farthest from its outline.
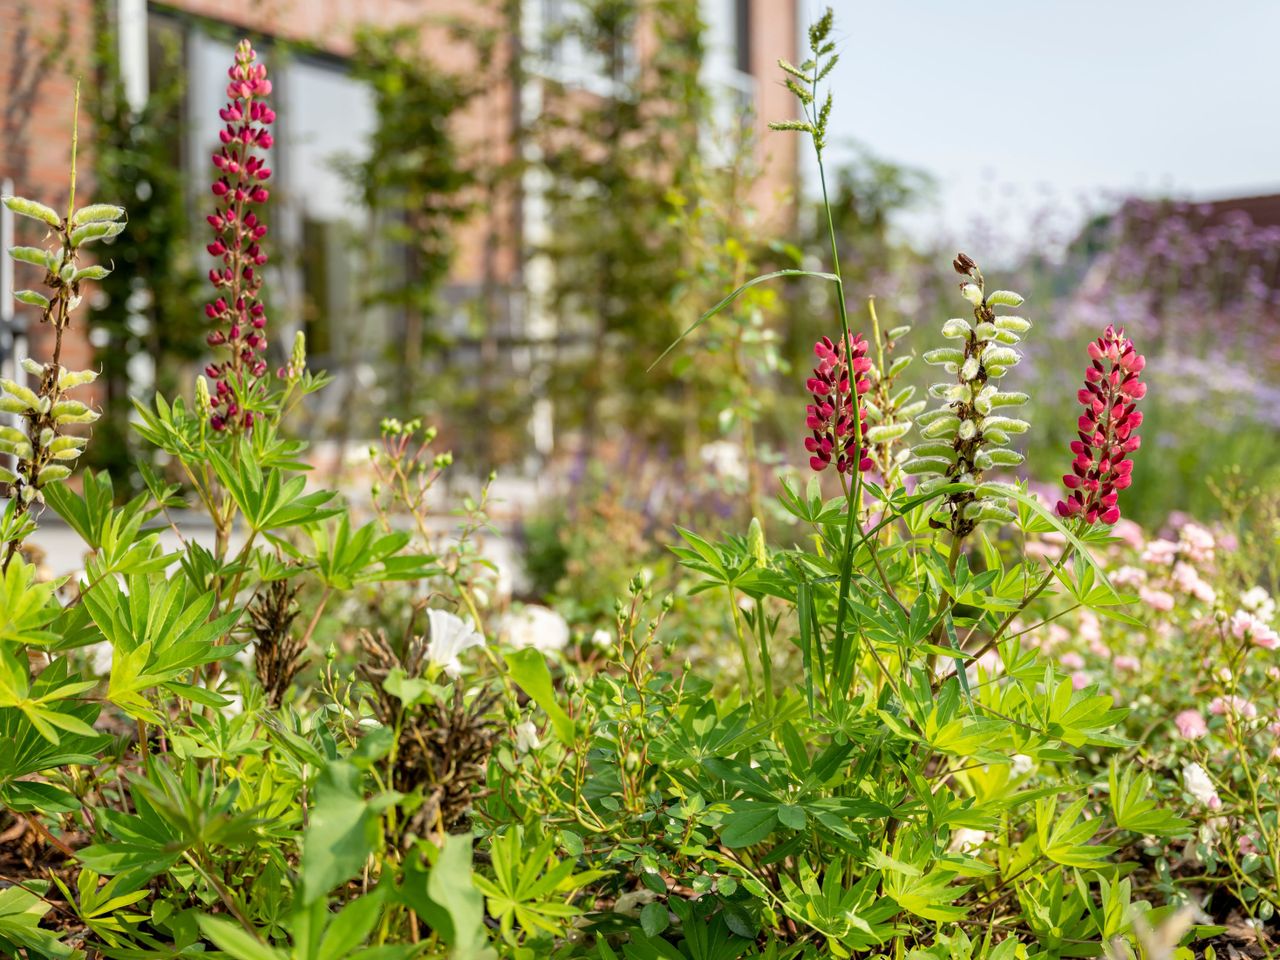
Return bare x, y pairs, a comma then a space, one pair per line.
1011, 102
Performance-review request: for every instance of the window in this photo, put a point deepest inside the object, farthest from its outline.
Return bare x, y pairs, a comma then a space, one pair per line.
558, 30
742, 35
319, 227
726, 69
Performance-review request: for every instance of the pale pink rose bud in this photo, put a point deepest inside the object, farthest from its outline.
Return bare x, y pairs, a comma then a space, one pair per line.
1191, 725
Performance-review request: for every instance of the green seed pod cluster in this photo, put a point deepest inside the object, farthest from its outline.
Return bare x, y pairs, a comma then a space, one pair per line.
890, 409
43, 451
967, 434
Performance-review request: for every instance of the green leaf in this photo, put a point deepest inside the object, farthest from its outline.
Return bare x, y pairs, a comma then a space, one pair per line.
750, 824
341, 834
1047, 516
792, 816
350, 928
1134, 808
654, 918
529, 670
233, 939
448, 900
734, 296
20, 915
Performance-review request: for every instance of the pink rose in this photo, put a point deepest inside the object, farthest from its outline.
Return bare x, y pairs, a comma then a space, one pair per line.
1156, 599
1191, 725
1241, 707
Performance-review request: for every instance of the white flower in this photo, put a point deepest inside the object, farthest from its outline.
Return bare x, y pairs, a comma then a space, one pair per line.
966, 840
538, 627
527, 737
602, 639
1022, 764
1197, 783
724, 458
1258, 602
449, 636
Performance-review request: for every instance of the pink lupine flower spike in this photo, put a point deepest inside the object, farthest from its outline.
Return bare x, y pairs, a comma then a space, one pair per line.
238, 314
830, 417
1102, 467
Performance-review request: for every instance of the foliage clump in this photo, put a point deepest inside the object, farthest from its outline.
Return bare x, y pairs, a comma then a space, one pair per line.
902, 753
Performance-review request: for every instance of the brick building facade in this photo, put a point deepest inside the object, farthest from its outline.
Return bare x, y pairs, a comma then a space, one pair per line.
44, 44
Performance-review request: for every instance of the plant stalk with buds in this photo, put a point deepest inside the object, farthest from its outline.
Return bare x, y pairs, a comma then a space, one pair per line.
43, 452
238, 314
966, 436
1110, 396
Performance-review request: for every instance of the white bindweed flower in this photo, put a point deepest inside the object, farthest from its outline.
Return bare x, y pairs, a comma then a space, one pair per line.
538, 627
1197, 783
449, 636
527, 737
966, 840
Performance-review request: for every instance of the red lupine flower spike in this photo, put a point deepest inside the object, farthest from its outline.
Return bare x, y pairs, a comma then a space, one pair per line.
238, 314
1111, 392
834, 437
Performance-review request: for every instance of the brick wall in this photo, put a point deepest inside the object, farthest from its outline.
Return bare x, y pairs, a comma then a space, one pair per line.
44, 43
43, 46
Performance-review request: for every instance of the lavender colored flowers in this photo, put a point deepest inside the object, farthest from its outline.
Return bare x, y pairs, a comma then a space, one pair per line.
238, 313
831, 415
1102, 467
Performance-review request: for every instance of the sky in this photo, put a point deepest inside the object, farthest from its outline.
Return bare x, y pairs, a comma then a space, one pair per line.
1012, 104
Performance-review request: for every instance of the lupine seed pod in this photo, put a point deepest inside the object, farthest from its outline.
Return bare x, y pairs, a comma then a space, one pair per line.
889, 410
1106, 436
237, 313
963, 437
830, 418
44, 455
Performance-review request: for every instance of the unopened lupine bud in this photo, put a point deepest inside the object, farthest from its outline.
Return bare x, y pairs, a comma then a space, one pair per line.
1106, 434
756, 544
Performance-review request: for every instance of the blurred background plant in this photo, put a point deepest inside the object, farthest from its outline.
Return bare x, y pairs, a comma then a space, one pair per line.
530, 202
